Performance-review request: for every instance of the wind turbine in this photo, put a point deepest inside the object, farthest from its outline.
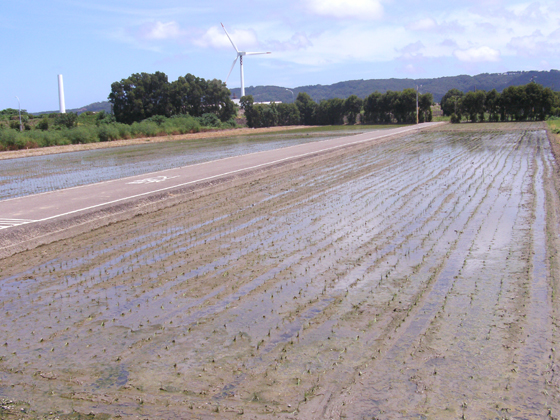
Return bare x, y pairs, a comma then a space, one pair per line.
240, 55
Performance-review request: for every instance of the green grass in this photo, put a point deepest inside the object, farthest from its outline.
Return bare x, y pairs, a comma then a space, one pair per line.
554, 124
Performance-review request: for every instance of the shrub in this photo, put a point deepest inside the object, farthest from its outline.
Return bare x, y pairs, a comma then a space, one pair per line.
158, 119
182, 124
124, 130
67, 120
104, 118
107, 132
43, 124
455, 119
145, 129
81, 135
8, 139
209, 120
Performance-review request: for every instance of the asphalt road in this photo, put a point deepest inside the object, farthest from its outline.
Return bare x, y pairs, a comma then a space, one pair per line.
47, 208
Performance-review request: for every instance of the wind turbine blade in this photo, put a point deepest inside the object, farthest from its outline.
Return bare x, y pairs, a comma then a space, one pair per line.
230, 70
256, 53
229, 37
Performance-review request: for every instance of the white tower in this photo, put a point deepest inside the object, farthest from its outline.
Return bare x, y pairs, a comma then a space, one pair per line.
61, 95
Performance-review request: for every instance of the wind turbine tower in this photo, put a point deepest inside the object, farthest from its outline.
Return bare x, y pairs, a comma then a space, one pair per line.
61, 95
240, 55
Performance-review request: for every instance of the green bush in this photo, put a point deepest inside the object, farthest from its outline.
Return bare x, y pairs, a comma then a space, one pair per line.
81, 135
145, 129
209, 120
158, 119
43, 124
182, 124
455, 119
125, 131
107, 132
67, 120
8, 139
104, 118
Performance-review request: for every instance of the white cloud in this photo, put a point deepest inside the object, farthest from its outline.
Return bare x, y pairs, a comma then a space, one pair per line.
536, 44
356, 9
477, 55
422, 25
160, 30
215, 37
297, 41
411, 50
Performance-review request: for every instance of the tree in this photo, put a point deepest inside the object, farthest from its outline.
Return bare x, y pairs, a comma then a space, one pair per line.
330, 112
493, 105
196, 96
404, 105
144, 95
425, 102
372, 108
288, 114
251, 113
307, 108
450, 101
473, 105
140, 96
352, 108
67, 120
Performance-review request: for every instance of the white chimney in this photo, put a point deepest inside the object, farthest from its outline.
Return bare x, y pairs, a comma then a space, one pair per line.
61, 95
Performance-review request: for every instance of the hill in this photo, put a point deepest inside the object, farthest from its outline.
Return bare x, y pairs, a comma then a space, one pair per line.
94, 107
437, 87
362, 88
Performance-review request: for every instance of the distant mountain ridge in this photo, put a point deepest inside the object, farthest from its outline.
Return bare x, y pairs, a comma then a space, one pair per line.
437, 87
94, 107
362, 88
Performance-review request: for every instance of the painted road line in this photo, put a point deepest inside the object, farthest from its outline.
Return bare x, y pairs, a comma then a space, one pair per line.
7, 223
152, 180
155, 179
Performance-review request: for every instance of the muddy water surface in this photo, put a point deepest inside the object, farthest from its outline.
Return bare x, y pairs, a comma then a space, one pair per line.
410, 280
38, 174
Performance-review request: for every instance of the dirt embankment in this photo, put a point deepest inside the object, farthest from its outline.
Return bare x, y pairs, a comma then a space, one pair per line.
119, 143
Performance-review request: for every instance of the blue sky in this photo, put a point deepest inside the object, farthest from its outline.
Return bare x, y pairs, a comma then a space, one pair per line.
95, 43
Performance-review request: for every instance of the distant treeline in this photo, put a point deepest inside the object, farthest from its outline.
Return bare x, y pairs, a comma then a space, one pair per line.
437, 87
399, 107
516, 103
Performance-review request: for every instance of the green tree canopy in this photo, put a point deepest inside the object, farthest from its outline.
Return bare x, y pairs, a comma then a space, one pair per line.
352, 107
451, 101
144, 95
306, 107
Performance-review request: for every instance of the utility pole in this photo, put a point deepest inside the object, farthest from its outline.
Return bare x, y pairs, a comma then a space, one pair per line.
417, 109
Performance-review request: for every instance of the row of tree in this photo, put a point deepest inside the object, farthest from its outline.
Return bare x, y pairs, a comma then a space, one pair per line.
516, 103
144, 95
377, 108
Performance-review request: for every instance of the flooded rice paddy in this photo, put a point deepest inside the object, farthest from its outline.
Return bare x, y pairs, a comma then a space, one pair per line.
414, 279
34, 175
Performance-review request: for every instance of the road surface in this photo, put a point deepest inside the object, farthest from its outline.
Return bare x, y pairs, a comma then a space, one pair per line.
26, 222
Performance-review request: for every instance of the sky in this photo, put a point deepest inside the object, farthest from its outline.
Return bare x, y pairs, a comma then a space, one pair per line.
98, 42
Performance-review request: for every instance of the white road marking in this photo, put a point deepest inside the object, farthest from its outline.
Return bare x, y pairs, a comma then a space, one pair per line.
6, 223
155, 179
399, 132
